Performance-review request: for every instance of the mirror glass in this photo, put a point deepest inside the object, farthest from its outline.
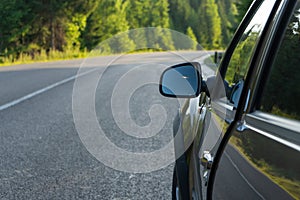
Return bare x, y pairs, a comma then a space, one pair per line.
180, 81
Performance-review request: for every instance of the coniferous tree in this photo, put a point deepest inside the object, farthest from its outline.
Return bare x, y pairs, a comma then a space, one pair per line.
34, 26
210, 28
193, 39
108, 20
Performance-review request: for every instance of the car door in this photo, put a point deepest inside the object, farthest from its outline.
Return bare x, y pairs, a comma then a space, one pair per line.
262, 157
224, 99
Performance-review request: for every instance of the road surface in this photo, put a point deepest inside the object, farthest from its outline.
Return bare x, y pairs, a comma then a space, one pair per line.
41, 154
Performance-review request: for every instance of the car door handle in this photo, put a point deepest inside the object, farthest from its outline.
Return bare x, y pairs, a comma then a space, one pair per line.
207, 160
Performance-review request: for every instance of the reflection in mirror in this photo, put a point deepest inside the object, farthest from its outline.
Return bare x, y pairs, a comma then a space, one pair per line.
180, 81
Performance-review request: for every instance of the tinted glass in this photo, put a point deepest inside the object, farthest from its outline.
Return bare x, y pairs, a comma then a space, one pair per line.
282, 93
261, 160
240, 60
232, 176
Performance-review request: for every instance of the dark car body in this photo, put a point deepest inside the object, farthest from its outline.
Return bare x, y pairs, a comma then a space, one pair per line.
239, 132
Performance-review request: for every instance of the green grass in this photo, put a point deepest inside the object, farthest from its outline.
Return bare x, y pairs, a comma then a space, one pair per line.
43, 56
61, 55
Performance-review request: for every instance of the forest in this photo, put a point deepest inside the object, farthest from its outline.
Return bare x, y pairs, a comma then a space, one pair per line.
45, 29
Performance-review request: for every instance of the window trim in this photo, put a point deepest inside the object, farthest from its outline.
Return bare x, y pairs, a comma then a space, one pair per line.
282, 130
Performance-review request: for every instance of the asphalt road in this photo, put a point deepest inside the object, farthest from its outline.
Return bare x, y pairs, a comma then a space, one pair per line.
41, 153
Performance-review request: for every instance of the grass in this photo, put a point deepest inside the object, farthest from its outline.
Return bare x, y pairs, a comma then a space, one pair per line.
43, 56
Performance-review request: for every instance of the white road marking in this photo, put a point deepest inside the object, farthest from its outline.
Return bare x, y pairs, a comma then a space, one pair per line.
42, 90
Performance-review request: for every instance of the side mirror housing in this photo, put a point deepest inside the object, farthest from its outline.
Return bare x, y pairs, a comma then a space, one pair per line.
181, 81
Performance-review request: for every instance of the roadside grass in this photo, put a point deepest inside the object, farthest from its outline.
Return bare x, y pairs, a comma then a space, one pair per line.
52, 55
273, 173
43, 56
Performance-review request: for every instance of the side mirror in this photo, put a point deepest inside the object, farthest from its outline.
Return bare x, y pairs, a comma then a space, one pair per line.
182, 81
236, 93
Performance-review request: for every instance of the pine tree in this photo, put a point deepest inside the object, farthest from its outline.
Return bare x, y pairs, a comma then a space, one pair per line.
151, 17
228, 13
193, 39
106, 21
210, 28
13, 27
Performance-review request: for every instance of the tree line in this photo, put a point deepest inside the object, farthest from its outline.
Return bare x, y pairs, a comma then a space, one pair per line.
33, 26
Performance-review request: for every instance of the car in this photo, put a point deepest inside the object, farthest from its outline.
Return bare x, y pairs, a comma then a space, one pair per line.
237, 136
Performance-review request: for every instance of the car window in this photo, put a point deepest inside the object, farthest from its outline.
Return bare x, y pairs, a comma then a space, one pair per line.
282, 92
261, 159
240, 60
